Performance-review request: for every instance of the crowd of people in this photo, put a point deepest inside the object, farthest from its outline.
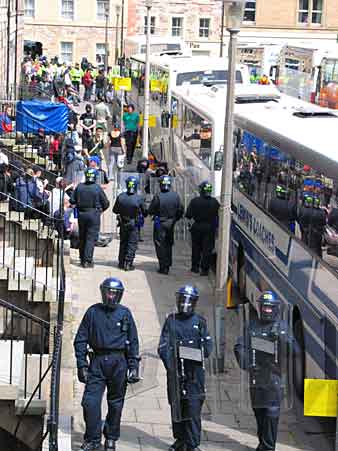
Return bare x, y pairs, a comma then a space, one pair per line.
64, 80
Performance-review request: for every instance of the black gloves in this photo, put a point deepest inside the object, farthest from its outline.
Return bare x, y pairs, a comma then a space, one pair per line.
133, 376
82, 374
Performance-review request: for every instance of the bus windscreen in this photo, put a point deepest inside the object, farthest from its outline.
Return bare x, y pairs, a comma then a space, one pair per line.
212, 76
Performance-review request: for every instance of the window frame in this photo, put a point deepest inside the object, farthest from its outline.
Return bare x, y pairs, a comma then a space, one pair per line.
310, 12
181, 28
61, 10
204, 28
104, 55
250, 9
61, 53
104, 2
152, 26
33, 9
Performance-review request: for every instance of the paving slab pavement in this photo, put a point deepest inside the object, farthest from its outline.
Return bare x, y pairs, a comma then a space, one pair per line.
146, 421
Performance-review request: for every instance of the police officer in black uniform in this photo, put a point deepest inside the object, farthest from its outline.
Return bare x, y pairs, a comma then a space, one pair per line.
265, 366
166, 209
128, 207
312, 221
281, 208
90, 201
185, 377
109, 330
204, 211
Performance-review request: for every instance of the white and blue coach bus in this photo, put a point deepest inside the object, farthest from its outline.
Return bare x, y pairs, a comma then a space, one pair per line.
298, 141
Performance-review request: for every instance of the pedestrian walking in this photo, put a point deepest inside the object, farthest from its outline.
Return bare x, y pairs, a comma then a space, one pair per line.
131, 121
109, 330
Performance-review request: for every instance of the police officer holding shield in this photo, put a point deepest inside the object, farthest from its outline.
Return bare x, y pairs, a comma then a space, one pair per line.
185, 343
262, 352
204, 211
166, 209
90, 201
109, 330
128, 207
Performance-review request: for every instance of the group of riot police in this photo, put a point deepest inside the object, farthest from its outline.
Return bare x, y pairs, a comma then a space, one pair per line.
108, 358
166, 209
107, 355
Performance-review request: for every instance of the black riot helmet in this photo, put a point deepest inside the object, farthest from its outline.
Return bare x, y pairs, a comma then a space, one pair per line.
186, 299
112, 291
131, 184
90, 175
165, 183
269, 307
205, 189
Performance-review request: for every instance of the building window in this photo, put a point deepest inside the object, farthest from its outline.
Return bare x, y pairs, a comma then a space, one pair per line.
152, 24
177, 26
204, 28
101, 7
67, 9
29, 8
310, 11
100, 53
67, 52
250, 11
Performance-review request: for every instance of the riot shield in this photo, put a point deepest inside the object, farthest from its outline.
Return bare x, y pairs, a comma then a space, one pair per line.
148, 371
190, 366
264, 351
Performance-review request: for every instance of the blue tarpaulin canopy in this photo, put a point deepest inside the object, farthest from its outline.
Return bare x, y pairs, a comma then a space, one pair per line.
33, 114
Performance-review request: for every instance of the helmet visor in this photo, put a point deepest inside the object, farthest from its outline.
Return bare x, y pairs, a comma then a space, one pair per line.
186, 303
111, 296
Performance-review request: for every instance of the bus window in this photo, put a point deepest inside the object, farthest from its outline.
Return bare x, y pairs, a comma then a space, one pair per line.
197, 135
212, 76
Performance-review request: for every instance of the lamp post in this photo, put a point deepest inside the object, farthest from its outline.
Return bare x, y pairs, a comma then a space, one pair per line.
222, 31
122, 37
118, 10
106, 56
234, 14
145, 149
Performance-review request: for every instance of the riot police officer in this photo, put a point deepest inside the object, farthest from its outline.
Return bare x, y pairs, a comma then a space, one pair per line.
182, 332
261, 353
109, 330
90, 201
312, 221
204, 211
282, 208
128, 206
166, 209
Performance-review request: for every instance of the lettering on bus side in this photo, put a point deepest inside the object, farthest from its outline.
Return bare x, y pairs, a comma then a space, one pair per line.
256, 228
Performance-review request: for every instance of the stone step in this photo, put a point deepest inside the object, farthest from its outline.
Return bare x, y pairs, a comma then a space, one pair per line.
4, 207
21, 274
44, 292
9, 387
6, 259
31, 366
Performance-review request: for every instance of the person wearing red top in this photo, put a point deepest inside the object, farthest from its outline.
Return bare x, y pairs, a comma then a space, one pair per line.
54, 149
88, 82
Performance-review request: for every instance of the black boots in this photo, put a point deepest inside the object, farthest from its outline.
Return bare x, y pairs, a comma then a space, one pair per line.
109, 445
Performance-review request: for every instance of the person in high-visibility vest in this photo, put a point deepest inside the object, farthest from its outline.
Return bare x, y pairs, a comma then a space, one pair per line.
76, 75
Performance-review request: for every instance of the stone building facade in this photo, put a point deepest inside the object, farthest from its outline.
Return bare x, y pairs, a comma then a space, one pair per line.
198, 22
72, 29
11, 44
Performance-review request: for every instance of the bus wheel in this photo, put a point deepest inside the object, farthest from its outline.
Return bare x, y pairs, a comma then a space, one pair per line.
242, 280
299, 359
